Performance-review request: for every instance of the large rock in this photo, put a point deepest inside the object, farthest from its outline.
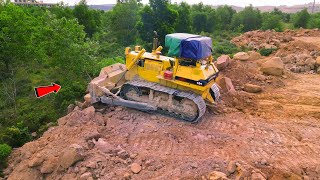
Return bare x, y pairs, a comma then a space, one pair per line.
77, 117
86, 176
310, 62
231, 168
303, 57
270, 46
253, 45
22, 172
251, 88
242, 56
273, 66
223, 61
35, 161
135, 168
216, 175
318, 61
254, 55
48, 166
287, 38
291, 58
257, 176
71, 155
87, 98
70, 108
226, 85
104, 146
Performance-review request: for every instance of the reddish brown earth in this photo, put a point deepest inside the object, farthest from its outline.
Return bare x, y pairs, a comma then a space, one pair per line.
274, 134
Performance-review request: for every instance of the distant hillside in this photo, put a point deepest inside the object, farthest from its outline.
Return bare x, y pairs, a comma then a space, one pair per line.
105, 7
286, 9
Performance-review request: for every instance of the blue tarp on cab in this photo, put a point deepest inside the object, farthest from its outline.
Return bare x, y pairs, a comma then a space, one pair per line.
188, 46
173, 42
196, 47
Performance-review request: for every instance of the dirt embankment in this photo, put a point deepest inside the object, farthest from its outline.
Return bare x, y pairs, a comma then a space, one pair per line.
272, 134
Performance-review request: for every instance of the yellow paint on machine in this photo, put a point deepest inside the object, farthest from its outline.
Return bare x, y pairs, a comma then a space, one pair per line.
151, 67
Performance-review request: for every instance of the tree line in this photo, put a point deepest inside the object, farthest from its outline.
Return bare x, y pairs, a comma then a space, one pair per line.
69, 46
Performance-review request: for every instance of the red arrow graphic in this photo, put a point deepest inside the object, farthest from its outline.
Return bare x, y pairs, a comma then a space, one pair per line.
45, 90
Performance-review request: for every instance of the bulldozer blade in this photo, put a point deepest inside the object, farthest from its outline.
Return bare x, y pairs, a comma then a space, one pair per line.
110, 77
130, 104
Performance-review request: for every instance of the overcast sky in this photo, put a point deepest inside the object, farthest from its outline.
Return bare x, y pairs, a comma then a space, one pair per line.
241, 3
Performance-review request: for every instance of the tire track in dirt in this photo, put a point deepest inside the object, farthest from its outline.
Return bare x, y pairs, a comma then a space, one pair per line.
288, 140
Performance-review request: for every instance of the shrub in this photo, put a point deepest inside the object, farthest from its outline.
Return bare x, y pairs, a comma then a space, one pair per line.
301, 19
5, 151
266, 52
246, 20
224, 47
271, 21
15, 136
314, 21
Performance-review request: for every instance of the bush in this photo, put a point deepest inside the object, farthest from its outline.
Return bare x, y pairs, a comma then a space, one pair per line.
5, 151
301, 19
15, 136
266, 52
271, 21
246, 20
314, 21
224, 47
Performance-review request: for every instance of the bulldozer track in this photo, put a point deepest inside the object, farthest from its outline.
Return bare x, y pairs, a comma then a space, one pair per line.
167, 147
221, 126
197, 99
291, 151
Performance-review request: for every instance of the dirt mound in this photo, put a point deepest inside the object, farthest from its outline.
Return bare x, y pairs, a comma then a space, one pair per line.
271, 39
128, 144
299, 56
90, 145
303, 32
298, 49
242, 73
261, 39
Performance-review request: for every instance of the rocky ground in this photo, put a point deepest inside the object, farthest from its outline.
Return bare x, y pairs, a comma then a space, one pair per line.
267, 126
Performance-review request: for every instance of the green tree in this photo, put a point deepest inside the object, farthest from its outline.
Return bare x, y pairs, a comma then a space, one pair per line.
212, 22
224, 16
249, 18
146, 25
203, 18
123, 18
38, 48
284, 16
315, 21
61, 11
68, 55
184, 18
15, 36
301, 19
89, 18
157, 16
199, 21
272, 21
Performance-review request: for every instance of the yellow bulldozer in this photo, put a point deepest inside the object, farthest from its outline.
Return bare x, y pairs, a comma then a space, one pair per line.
180, 85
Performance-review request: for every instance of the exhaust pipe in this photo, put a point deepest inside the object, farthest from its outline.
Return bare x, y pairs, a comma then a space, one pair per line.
155, 40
